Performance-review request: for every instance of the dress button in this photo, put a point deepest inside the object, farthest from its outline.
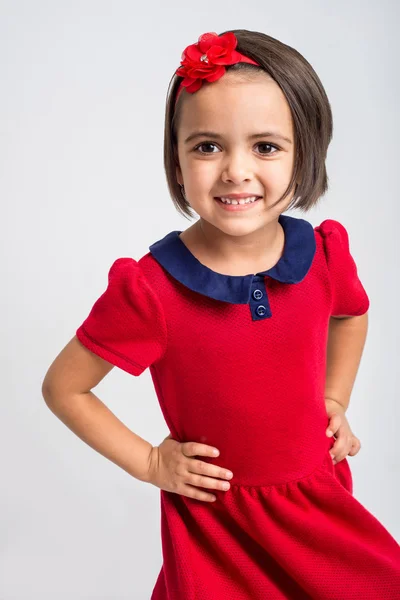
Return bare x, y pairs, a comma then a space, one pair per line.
261, 310
257, 294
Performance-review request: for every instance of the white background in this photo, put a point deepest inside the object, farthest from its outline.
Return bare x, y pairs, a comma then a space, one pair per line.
82, 98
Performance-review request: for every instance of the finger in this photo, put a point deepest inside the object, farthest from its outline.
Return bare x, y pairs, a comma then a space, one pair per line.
199, 467
341, 448
208, 482
355, 447
334, 424
193, 492
198, 449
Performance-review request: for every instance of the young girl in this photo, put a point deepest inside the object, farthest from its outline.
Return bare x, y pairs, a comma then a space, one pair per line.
252, 324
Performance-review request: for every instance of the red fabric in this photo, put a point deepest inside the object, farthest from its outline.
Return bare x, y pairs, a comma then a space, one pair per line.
289, 527
348, 294
126, 325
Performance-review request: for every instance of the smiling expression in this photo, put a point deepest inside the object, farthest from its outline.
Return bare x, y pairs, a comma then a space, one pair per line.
236, 136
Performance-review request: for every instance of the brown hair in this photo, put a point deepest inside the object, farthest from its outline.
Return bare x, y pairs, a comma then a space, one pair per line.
309, 106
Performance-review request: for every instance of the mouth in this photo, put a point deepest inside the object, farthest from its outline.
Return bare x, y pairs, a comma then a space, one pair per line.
236, 204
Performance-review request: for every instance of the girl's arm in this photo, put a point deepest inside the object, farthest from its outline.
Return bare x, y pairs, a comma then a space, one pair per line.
66, 390
346, 341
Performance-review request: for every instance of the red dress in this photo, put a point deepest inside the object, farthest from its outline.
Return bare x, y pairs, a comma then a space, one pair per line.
238, 362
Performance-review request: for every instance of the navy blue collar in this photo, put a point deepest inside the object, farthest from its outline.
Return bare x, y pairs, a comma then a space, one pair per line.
298, 254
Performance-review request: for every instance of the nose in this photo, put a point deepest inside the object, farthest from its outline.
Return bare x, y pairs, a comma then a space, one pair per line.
237, 168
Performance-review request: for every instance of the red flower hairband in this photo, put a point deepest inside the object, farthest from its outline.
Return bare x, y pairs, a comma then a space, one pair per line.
206, 60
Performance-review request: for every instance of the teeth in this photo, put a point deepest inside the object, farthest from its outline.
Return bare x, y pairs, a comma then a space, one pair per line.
241, 201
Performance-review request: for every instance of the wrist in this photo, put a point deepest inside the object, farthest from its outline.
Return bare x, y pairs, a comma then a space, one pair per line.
152, 463
333, 405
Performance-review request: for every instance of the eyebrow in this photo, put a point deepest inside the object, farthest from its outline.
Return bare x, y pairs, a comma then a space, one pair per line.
213, 134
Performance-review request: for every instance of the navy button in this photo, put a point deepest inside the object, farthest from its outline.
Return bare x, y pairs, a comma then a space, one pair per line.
257, 294
261, 310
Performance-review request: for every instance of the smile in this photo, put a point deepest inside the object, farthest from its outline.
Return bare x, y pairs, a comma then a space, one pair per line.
239, 204
239, 201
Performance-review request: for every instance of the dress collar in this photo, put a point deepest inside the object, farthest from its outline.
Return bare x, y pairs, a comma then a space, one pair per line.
298, 254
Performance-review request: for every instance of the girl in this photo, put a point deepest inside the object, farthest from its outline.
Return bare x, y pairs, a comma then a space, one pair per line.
252, 324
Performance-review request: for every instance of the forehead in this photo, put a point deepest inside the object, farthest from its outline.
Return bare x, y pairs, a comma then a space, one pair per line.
236, 103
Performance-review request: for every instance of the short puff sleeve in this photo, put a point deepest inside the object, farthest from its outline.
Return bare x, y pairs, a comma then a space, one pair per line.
349, 297
126, 325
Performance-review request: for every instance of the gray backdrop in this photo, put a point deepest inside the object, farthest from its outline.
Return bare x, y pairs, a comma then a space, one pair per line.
83, 86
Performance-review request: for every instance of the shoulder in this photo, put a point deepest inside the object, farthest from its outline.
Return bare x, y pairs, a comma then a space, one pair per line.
349, 295
132, 288
335, 238
125, 280
126, 324
331, 227
129, 273
124, 267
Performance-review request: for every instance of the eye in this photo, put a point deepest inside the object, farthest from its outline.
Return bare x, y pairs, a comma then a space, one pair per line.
204, 144
269, 146
266, 144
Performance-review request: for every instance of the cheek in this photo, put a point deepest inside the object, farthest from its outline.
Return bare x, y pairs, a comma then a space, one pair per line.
201, 173
277, 173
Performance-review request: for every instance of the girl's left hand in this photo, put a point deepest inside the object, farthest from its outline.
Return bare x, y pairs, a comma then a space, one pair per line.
346, 442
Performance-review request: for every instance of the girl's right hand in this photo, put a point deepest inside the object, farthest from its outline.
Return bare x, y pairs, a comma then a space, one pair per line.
172, 468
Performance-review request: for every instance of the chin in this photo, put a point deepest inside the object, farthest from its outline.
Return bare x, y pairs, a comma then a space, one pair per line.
238, 229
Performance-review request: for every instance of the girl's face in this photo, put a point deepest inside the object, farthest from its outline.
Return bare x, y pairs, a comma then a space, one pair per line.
235, 136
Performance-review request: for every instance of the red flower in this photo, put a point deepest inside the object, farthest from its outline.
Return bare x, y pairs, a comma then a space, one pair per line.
205, 59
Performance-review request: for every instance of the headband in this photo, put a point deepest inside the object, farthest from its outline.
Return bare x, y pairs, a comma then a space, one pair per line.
206, 60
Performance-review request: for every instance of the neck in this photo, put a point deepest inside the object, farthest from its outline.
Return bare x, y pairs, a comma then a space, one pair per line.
235, 255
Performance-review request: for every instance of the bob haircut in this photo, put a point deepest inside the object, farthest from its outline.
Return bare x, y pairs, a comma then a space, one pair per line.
309, 106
